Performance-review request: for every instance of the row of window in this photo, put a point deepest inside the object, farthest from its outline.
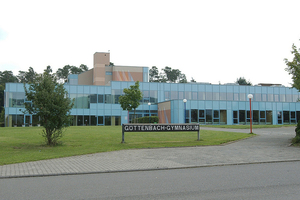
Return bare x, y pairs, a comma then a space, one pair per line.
17, 99
228, 96
206, 116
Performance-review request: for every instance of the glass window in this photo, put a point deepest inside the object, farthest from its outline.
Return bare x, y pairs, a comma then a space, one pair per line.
93, 98
79, 101
100, 98
276, 97
229, 96
279, 117
209, 116
194, 117
223, 117
100, 119
108, 98
295, 98
242, 97
269, 117
282, 98
223, 96
262, 114
153, 96
235, 114
117, 120
286, 117
194, 96
242, 116
235, 96
270, 97
201, 96
201, 114
180, 95
86, 120
16, 99
188, 95
167, 96
216, 114
216, 96
85, 101
107, 120
255, 117
116, 98
174, 95
79, 120
264, 97
209, 96
293, 114
289, 98
93, 120
257, 97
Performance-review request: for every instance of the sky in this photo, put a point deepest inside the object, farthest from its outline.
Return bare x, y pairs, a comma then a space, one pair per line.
213, 41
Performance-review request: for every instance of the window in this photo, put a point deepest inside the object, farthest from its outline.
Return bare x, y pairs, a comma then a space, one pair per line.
100, 120
107, 120
209, 96
201, 96
93, 98
100, 98
108, 98
174, 95
209, 116
235, 117
201, 116
167, 96
194, 117
229, 96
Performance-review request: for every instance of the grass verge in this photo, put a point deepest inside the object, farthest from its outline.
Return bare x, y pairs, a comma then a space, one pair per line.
23, 144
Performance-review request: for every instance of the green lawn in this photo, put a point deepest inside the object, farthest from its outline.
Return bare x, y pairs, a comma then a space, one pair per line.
248, 126
18, 144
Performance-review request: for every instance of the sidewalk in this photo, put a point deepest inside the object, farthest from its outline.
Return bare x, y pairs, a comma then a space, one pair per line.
271, 145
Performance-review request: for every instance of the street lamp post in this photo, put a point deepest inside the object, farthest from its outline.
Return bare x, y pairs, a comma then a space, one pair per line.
250, 96
184, 102
149, 104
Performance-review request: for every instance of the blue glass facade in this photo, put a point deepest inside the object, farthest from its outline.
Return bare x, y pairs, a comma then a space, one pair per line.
206, 103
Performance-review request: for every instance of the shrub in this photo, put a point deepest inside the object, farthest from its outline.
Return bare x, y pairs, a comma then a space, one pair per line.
145, 120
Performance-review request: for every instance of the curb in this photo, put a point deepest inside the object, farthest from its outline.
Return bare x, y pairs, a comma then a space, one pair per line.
141, 170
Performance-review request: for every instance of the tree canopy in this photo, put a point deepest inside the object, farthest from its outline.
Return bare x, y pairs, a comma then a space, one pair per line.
63, 73
131, 98
27, 77
51, 104
243, 81
293, 67
167, 75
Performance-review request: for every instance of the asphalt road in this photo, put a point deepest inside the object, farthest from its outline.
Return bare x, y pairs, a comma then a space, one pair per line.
251, 181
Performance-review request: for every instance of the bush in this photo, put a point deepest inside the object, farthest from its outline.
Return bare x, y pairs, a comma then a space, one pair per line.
297, 129
145, 120
296, 139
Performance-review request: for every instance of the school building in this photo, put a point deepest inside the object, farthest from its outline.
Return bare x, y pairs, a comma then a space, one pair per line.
96, 93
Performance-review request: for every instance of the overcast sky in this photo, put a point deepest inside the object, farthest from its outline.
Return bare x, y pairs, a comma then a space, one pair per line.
214, 41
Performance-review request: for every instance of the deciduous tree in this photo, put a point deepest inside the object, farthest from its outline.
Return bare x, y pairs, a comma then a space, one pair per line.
51, 104
293, 67
131, 98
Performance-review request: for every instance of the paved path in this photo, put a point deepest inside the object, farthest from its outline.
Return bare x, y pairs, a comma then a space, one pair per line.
271, 145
